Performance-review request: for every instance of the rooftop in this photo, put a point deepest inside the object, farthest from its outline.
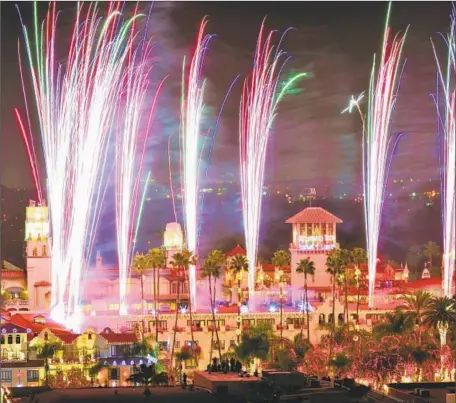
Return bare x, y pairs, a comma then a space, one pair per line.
314, 215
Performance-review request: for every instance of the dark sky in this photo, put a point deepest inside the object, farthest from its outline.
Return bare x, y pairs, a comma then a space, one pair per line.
311, 139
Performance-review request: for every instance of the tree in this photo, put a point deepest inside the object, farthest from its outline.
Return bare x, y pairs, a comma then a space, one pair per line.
140, 265
358, 257
212, 270
47, 351
182, 261
431, 250
335, 263
255, 343
156, 258
396, 323
414, 306
414, 257
237, 265
280, 260
340, 363
440, 314
307, 268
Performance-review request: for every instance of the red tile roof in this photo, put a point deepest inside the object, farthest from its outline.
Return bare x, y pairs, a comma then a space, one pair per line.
315, 215
42, 284
425, 283
68, 338
238, 250
26, 321
119, 338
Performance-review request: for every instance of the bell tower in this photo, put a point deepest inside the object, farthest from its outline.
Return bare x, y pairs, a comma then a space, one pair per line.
37, 252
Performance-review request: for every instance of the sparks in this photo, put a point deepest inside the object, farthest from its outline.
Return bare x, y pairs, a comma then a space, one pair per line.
258, 108
448, 156
378, 143
76, 103
193, 87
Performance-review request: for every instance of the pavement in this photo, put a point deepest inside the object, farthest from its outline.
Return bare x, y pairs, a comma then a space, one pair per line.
124, 395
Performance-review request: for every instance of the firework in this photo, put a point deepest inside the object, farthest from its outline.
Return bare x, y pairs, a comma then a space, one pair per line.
378, 143
128, 169
76, 103
447, 121
258, 108
193, 86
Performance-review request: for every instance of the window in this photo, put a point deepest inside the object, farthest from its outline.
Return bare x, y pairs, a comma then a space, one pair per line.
191, 363
197, 323
46, 336
113, 307
33, 375
162, 324
174, 288
219, 322
232, 343
215, 345
177, 344
44, 251
114, 374
185, 288
35, 252
10, 339
2, 339
5, 375
266, 322
330, 229
18, 339
89, 336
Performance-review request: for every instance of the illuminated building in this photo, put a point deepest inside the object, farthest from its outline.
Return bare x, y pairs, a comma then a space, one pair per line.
313, 235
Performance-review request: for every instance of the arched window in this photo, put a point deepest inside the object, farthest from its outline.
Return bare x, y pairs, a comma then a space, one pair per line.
2, 338
44, 251
340, 318
330, 319
321, 319
46, 336
18, 339
89, 336
35, 252
10, 339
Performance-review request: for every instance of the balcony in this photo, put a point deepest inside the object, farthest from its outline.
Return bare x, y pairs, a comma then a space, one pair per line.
13, 356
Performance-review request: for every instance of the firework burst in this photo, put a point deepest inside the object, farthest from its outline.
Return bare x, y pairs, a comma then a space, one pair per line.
192, 104
447, 121
258, 108
76, 103
378, 143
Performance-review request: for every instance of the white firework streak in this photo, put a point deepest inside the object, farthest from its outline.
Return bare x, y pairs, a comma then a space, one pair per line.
448, 157
191, 114
76, 103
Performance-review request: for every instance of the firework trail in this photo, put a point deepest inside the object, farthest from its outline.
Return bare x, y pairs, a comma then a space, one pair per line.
258, 108
378, 143
128, 170
447, 121
76, 103
193, 86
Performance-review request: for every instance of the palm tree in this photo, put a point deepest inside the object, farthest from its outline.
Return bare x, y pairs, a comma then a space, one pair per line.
281, 259
358, 257
431, 249
156, 258
182, 261
440, 314
335, 263
306, 267
47, 351
393, 323
414, 306
176, 262
212, 270
140, 265
236, 266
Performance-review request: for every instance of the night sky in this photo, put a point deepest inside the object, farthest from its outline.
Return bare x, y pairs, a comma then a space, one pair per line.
311, 139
